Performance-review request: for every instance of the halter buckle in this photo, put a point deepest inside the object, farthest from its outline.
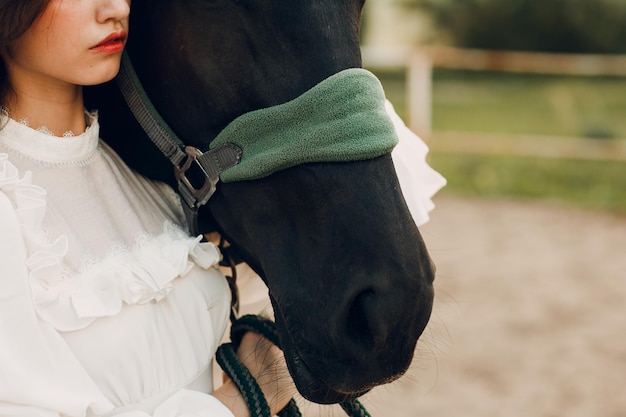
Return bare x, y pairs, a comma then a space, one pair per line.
194, 197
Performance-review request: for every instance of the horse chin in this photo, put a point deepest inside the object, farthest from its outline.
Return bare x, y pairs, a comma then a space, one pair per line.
309, 385
313, 388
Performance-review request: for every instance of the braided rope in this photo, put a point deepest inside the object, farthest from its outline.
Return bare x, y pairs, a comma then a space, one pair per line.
245, 382
355, 409
239, 374
290, 410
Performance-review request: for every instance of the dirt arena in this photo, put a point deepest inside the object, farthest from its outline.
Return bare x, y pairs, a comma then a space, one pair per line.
529, 318
530, 315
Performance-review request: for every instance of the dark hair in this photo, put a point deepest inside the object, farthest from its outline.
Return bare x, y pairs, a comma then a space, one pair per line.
16, 16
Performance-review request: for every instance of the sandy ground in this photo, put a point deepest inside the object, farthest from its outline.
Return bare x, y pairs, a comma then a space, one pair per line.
529, 318
530, 315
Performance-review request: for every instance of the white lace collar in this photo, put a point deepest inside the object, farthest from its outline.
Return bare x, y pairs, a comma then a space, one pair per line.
39, 145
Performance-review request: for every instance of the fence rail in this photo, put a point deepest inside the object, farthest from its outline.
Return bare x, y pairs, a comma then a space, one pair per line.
529, 145
526, 62
420, 62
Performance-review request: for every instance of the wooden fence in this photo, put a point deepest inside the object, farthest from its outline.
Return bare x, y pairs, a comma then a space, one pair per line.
419, 64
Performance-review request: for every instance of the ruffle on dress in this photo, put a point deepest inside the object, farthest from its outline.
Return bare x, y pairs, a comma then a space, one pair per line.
141, 274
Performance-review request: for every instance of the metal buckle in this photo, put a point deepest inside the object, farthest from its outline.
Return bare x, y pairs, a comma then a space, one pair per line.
194, 197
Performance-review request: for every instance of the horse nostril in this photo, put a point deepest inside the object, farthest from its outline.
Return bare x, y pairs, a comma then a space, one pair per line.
358, 325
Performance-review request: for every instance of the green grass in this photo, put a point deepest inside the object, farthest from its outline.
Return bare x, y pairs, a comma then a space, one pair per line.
515, 103
527, 104
590, 184
535, 104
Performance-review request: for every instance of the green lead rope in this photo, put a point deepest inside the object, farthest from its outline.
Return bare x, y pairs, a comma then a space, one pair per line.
245, 382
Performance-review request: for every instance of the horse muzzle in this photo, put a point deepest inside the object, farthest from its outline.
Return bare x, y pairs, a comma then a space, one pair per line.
371, 341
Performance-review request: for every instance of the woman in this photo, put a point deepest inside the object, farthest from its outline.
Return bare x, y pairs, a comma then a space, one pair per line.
107, 307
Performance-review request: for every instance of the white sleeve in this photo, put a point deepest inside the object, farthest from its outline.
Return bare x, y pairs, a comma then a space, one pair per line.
39, 376
186, 403
418, 181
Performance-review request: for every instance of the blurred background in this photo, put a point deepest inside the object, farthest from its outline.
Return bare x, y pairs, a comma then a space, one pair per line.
557, 122
523, 104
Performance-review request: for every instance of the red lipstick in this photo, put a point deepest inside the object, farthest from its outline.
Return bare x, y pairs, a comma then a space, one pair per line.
112, 44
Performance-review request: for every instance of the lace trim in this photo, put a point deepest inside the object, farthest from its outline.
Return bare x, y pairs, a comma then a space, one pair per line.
4, 116
43, 129
50, 164
126, 275
42, 154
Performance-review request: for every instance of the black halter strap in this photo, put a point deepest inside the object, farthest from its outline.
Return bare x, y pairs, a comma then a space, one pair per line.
212, 163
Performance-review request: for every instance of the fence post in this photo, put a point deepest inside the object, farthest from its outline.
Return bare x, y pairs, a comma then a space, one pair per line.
419, 100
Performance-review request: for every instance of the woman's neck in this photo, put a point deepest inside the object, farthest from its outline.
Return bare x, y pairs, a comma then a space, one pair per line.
59, 112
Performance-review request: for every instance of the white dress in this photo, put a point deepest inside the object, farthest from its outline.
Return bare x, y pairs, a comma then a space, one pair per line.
107, 307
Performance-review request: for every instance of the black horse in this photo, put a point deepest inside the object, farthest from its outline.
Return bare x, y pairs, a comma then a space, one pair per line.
348, 273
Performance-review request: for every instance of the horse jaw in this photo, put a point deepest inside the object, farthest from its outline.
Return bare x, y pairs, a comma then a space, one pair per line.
351, 289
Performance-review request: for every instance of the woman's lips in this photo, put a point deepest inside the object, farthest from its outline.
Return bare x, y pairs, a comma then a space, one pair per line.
113, 43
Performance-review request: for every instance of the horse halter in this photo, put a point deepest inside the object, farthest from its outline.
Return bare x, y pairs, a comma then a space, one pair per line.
341, 119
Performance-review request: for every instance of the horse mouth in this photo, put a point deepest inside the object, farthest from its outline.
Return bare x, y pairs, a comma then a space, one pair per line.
309, 385
312, 387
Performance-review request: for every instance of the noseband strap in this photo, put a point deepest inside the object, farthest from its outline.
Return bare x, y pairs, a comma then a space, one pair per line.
343, 118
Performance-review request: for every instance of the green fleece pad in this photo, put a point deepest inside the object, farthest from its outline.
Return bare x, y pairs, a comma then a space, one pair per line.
343, 118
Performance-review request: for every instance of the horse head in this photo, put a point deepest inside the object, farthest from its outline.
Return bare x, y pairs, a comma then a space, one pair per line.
349, 276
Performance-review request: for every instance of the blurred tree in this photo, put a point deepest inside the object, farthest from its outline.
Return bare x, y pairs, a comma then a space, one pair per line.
577, 26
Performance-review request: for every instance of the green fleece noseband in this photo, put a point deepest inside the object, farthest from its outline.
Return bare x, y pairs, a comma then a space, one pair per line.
343, 118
